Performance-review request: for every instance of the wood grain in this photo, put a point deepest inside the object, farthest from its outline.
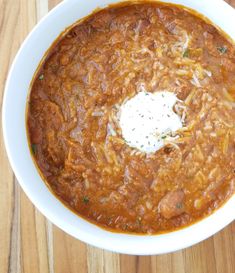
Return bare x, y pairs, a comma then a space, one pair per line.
29, 243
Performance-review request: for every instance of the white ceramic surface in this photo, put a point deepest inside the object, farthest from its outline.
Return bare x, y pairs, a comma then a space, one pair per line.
13, 114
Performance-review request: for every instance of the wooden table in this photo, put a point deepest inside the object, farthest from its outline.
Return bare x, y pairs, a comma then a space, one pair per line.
29, 243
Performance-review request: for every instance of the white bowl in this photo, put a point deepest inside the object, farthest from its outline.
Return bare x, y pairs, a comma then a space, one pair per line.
16, 91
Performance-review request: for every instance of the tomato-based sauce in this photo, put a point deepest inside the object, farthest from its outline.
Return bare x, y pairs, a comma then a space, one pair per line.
78, 111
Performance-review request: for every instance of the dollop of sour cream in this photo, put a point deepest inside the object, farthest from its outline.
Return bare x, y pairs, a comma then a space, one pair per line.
147, 119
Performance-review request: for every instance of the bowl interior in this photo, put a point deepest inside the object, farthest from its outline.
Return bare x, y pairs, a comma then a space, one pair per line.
15, 97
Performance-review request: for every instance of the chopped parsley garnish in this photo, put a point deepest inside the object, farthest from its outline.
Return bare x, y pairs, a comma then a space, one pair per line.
85, 199
163, 137
179, 205
125, 226
33, 148
222, 49
186, 53
41, 77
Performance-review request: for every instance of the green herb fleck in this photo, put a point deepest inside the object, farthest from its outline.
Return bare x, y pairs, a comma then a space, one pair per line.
85, 199
222, 49
41, 77
186, 53
163, 137
179, 205
34, 148
125, 226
